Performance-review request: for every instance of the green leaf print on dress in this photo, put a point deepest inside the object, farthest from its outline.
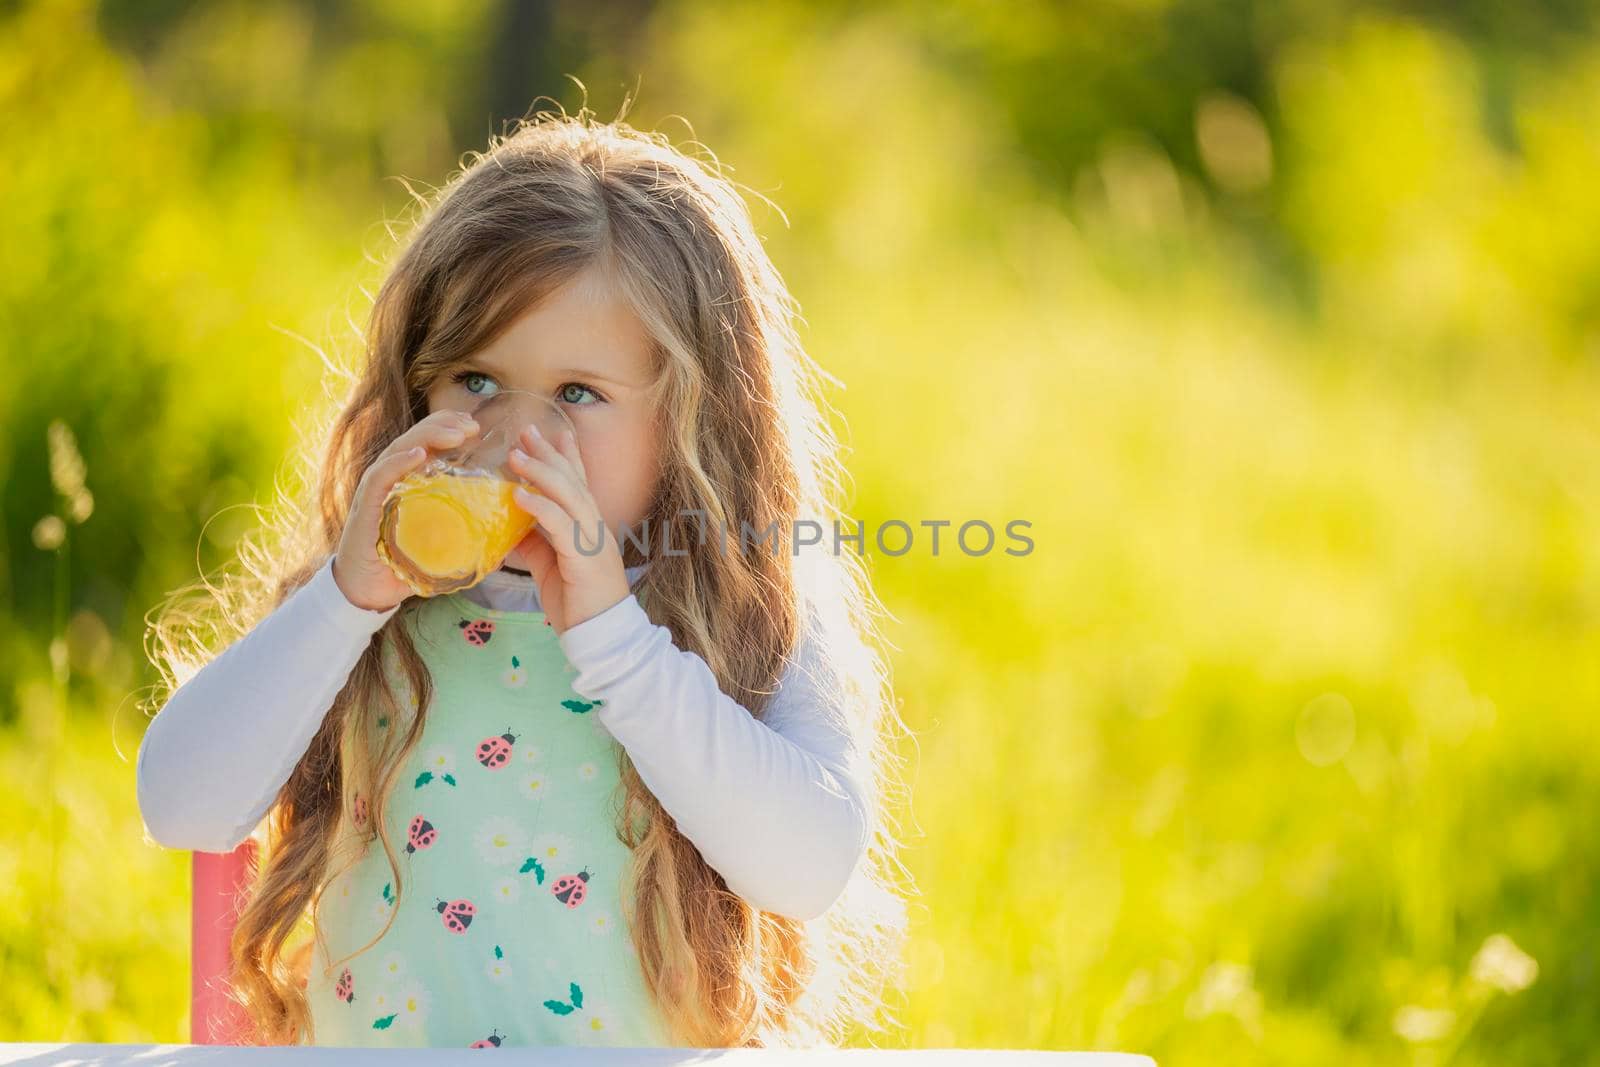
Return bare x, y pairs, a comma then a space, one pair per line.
507, 909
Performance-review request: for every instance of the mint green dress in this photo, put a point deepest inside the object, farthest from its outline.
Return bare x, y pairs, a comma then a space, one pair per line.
510, 928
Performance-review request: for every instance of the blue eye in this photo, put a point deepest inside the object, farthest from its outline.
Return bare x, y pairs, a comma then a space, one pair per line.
564, 396
460, 378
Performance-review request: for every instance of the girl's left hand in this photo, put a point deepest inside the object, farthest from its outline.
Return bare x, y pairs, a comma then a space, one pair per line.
573, 587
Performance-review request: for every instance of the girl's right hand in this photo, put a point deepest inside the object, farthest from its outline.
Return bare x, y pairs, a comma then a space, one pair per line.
364, 578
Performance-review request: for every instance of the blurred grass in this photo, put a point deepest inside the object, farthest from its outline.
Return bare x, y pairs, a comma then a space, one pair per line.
1265, 751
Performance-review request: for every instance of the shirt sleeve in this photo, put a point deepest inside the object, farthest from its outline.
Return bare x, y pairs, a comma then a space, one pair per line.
214, 758
779, 807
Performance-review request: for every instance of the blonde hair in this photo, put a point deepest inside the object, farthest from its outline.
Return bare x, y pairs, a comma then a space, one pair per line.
745, 441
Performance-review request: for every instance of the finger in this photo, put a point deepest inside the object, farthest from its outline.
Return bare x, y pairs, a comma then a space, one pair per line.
448, 417
439, 430
395, 466
556, 480
565, 445
558, 527
432, 440
568, 445
553, 522
383, 475
564, 450
541, 559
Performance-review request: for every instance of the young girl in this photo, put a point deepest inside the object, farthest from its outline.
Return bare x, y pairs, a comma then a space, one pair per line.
626, 797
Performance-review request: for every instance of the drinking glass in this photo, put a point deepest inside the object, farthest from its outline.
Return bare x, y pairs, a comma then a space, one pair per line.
446, 525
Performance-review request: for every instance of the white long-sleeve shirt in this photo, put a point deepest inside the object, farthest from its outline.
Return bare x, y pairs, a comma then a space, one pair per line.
779, 806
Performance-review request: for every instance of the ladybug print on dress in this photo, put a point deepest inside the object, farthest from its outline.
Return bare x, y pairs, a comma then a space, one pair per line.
496, 849
457, 914
477, 631
570, 889
492, 1041
495, 752
346, 989
420, 835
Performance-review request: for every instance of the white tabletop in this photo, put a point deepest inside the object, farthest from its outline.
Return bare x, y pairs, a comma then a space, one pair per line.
154, 1055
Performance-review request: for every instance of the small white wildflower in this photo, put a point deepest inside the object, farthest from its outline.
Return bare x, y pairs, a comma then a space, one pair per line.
1500, 963
1418, 1024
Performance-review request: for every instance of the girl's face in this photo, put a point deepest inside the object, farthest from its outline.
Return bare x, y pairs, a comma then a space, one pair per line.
585, 350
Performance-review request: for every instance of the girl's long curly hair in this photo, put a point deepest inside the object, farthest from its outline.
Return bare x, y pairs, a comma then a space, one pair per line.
745, 442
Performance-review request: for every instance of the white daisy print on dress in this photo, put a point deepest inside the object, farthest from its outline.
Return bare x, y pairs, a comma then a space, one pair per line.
588, 771
597, 1023
505, 890
535, 786
438, 765
411, 1003
500, 841
514, 676
530, 754
392, 967
599, 923
552, 848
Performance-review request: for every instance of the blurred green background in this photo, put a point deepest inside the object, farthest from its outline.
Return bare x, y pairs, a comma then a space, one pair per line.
1280, 322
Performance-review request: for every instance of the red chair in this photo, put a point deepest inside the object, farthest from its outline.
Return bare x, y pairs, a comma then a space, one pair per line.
218, 878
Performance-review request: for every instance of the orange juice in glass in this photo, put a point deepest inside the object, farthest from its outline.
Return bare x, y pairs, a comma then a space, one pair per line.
449, 523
